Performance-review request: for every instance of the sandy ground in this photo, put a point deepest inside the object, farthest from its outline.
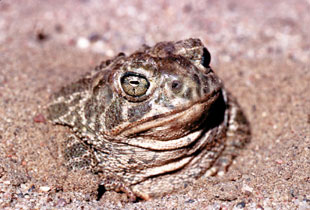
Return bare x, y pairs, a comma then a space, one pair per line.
260, 49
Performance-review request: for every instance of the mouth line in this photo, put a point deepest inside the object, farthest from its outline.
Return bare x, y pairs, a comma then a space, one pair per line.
211, 96
123, 134
171, 144
167, 114
127, 133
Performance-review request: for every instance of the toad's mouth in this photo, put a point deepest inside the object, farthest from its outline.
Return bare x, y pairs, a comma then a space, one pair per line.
168, 130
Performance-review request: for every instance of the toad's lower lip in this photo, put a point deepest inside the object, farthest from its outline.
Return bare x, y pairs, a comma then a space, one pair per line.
161, 120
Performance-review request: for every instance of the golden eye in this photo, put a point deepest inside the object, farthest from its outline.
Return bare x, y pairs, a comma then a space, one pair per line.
134, 84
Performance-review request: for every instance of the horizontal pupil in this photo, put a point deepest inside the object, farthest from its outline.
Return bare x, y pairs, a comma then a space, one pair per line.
134, 82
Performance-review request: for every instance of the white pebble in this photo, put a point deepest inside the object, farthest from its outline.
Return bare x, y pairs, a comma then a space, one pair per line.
45, 188
83, 43
247, 188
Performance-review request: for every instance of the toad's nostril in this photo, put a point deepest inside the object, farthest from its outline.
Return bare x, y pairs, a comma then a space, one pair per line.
205, 80
176, 84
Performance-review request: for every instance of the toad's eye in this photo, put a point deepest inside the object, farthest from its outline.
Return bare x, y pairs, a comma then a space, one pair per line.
134, 84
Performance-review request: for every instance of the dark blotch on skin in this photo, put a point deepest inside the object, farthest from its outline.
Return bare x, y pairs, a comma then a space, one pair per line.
148, 161
131, 160
76, 150
100, 109
206, 90
79, 164
89, 109
205, 79
188, 94
57, 110
114, 115
169, 48
240, 118
164, 49
102, 83
137, 112
198, 91
76, 100
196, 79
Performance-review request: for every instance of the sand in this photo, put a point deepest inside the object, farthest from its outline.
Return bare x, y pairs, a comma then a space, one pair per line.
260, 49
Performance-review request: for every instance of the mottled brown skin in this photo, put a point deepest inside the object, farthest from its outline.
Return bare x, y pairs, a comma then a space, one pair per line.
151, 122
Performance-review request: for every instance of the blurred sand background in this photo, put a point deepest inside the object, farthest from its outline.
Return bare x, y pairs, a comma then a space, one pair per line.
260, 49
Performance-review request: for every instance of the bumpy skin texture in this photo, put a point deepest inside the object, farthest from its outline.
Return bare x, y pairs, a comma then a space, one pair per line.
151, 122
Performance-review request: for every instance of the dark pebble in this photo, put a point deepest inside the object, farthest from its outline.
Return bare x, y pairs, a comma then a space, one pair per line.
241, 204
190, 201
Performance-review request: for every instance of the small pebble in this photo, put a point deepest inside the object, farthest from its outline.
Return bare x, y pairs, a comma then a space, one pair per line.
241, 204
190, 201
61, 202
6, 182
31, 188
83, 43
39, 118
45, 188
247, 188
94, 37
41, 36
